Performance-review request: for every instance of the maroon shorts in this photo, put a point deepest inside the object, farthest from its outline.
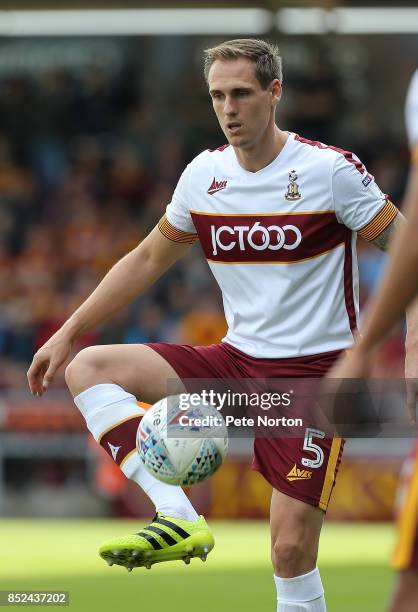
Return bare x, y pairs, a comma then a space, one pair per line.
279, 460
406, 550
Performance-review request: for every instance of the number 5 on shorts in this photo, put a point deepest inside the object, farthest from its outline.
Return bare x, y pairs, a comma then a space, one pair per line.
309, 445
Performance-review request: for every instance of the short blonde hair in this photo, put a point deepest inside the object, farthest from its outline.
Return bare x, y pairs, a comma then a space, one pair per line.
265, 56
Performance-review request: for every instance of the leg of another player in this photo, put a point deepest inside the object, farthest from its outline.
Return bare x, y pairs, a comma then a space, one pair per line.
295, 530
405, 596
105, 382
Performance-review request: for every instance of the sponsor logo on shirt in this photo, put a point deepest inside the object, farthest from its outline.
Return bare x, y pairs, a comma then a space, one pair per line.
268, 238
255, 237
216, 186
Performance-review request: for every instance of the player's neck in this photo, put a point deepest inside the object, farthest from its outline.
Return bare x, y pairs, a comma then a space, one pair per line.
263, 152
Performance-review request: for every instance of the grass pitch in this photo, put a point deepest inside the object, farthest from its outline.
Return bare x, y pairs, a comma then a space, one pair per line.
237, 577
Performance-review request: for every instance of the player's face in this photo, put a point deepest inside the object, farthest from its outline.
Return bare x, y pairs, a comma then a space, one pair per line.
244, 109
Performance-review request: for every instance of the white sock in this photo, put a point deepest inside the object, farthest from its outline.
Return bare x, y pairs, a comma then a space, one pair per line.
108, 409
300, 594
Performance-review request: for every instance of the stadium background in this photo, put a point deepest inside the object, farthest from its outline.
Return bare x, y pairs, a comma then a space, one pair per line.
94, 133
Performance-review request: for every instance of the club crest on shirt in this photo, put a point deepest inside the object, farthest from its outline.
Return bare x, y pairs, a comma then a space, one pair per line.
293, 192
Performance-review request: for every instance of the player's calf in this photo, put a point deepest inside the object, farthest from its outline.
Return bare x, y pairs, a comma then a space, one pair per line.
112, 415
295, 530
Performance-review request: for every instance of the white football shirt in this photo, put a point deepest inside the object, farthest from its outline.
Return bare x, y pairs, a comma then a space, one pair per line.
281, 242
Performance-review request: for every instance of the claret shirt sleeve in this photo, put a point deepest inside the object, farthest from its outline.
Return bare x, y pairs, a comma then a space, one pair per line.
177, 224
358, 202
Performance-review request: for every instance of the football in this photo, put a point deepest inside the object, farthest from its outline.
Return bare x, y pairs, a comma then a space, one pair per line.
182, 446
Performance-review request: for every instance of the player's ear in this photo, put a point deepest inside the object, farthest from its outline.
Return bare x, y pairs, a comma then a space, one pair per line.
276, 91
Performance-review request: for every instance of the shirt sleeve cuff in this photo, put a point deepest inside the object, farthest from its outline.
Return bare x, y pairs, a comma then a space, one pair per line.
174, 234
375, 227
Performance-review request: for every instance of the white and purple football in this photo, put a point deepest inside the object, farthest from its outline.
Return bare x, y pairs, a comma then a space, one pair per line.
180, 443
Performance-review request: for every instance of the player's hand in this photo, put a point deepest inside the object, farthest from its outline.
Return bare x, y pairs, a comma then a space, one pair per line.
46, 362
354, 363
342, 382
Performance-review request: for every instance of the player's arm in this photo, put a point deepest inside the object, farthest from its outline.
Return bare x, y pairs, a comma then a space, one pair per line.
400, 283
362, 207
399, 288
126, 280
403, 279
383, 240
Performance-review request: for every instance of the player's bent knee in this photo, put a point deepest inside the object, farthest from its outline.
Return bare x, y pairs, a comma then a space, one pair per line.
83, 371
291, 557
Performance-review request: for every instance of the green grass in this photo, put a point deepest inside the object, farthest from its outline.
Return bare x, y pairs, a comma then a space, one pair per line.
62, 555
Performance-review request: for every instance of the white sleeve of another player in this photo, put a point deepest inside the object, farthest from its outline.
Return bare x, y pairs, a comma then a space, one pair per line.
178, 210
411, 111
357, 198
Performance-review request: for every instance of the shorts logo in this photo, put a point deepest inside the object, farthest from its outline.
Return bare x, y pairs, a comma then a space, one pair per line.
298, 474
255, 237
216, 186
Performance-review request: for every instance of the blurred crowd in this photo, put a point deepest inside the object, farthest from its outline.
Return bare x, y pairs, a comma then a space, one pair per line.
88, 161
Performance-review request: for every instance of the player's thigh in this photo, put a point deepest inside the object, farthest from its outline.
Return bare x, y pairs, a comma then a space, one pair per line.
137, 368
304, 469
